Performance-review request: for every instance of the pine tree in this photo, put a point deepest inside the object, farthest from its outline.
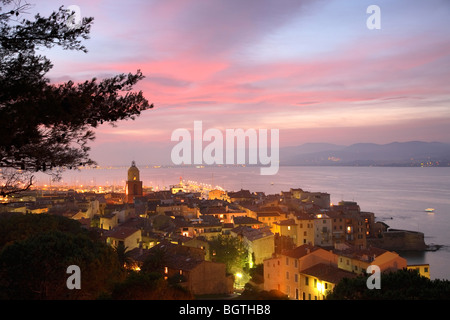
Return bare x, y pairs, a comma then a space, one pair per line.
46, 127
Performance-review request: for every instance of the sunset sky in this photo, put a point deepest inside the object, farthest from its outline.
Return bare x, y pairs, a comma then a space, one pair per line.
311, 69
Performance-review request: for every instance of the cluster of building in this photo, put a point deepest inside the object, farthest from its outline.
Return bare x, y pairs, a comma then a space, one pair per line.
305, 244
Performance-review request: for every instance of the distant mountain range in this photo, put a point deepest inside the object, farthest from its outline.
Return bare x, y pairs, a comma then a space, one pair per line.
413, 153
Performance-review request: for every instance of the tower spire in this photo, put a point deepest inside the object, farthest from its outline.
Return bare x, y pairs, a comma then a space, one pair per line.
134, 184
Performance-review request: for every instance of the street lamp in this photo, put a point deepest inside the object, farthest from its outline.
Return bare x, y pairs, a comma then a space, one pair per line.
238, 276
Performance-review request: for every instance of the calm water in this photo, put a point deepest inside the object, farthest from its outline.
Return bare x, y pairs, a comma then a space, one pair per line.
398, 196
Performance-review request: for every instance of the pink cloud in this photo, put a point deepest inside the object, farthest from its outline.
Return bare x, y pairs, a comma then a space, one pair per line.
192, 53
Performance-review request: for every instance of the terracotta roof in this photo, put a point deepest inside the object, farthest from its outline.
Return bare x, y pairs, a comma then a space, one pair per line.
361, 254
240, 194
216, 210
287, 222
304, 216
252, 234
208, 221
328, 273
300, 251
268, 214
271, 208
184, 263
175, 257
245, 220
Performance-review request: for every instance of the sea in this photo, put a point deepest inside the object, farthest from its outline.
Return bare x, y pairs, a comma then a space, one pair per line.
397, 196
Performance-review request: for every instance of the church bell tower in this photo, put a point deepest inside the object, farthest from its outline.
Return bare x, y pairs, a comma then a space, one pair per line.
134, 185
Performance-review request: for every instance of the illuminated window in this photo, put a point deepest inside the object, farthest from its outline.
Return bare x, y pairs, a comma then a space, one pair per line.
166, 270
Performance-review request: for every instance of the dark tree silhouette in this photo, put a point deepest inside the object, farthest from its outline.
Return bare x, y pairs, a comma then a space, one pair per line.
35, 251
399, 285
46, 127
123, 255
148, 286
155, 261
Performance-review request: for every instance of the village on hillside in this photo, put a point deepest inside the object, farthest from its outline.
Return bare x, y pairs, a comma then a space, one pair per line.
302, 244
